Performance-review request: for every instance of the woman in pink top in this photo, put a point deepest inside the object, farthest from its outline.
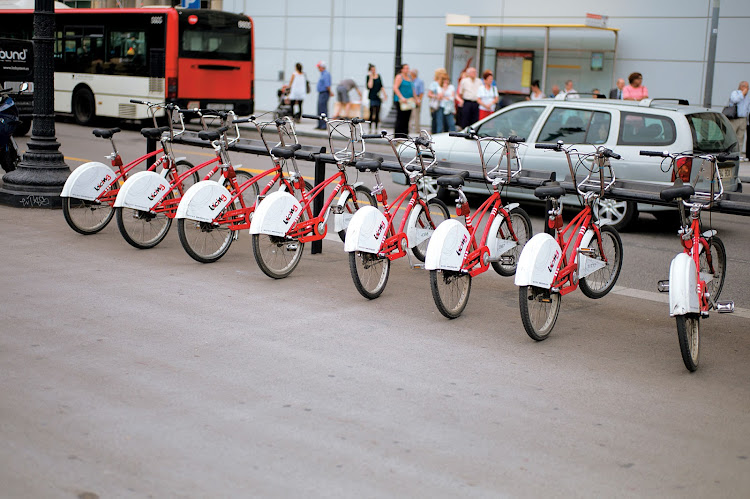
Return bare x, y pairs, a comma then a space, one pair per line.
635, 91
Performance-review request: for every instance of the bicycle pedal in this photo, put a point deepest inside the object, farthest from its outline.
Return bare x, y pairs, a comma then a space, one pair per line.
663, 286
337, 210
587, 251
418, 266
725, 307
292, 247
507, 260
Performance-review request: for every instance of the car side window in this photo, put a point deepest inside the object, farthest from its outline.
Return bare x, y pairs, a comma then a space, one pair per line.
518, 121
645, 130
576, 126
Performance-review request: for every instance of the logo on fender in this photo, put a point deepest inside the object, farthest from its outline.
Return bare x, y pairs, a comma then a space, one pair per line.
104, 181
156, 192
289, 216
553, 263
380, 230
461, 246
216, 203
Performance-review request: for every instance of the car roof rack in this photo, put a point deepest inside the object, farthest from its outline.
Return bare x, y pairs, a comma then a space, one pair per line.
682, 102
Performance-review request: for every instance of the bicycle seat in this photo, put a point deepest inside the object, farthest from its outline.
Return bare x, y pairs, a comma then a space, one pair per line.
285, 152
453, 180
105, 133
154, 133
550, 190
372, 165
680, 191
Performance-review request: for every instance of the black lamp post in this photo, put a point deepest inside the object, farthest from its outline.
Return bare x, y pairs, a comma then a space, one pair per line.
39, 177
390, 119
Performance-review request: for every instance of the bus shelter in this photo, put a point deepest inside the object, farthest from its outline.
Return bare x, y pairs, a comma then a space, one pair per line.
579, 52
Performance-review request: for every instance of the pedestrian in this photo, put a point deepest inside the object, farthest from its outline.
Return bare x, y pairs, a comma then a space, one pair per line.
554, 92
741, 99
418, 85
636, 90
342, 109
616, 93
376, 94
487, 96
468, 89
536, 92
569, 92
434, 95
447, 104
324, 93
298, 87
403, 99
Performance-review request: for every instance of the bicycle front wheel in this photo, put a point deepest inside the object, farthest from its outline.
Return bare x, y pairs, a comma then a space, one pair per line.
276, 256
438, 211
539, 310
363, 198
519, 220
86, 217
369, 273
142, 229
601, 282
205, 242
450, 290
688, 332
714, 273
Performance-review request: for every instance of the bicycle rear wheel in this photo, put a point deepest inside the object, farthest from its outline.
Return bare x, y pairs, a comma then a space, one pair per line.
719, 262
276, 256
142, 229
688, 332
438, 211
450, 290
601, 282
86, 217
363, 198
521, 223
539, 310
369, 273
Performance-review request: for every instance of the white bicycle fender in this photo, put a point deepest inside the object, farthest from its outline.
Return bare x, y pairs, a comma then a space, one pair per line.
497, 246
448, 246
683, 298
367, 230
538, 261
276, 214
203, 201
341, 220
142, 191
88, 181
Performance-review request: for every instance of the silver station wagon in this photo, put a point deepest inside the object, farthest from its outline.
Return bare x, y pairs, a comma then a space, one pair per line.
626, 127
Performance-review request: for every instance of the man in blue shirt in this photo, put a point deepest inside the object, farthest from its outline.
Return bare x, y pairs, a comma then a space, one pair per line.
742, 100
324, 93
418, 86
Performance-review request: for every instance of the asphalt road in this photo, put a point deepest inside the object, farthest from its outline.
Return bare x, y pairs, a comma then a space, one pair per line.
130, 373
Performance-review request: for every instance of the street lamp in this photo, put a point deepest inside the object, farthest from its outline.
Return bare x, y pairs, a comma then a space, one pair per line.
41, 174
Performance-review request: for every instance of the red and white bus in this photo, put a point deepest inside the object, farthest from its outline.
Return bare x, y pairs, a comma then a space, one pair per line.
105, 57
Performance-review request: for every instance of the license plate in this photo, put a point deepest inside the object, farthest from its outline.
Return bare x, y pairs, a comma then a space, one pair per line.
220, 106
725, 173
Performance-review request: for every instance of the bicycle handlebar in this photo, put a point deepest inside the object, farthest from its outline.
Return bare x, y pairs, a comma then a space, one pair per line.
659, 154
514, 139
374, 135
609, 153
313, 116
551, 147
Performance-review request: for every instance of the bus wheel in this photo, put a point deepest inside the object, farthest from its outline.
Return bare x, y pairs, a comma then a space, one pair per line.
84, 109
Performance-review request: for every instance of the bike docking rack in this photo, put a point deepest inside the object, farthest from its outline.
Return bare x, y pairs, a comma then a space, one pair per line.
735, 203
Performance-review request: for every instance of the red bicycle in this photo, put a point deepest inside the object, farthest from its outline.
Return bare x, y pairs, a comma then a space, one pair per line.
372, 239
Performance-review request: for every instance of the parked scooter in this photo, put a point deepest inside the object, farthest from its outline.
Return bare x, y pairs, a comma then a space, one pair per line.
8, 122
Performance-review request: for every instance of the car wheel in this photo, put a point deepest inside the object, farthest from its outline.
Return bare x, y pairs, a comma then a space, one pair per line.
621, 213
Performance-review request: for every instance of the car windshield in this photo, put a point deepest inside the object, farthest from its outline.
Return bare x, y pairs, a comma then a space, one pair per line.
711, 133
518, 121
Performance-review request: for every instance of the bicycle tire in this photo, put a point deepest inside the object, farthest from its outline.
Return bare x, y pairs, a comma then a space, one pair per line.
250, 194
369, 273
205, 242
450, 291
182, 166
521, 223
438, 213
719, 261
539, 310
142, 229
601, 282
363, 198
271, 254
86, 217
688, 333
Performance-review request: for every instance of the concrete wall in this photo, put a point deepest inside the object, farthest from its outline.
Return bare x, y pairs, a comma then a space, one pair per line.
666, 40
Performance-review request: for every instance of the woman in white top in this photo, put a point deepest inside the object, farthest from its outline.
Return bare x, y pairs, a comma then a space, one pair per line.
447, 95
297, 90
487, 95
536, 92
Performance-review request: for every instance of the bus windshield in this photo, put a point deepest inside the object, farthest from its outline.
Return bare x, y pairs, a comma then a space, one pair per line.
214, 35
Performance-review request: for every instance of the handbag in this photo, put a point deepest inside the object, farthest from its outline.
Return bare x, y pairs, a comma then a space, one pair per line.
307, 85
730, 111
410, 104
